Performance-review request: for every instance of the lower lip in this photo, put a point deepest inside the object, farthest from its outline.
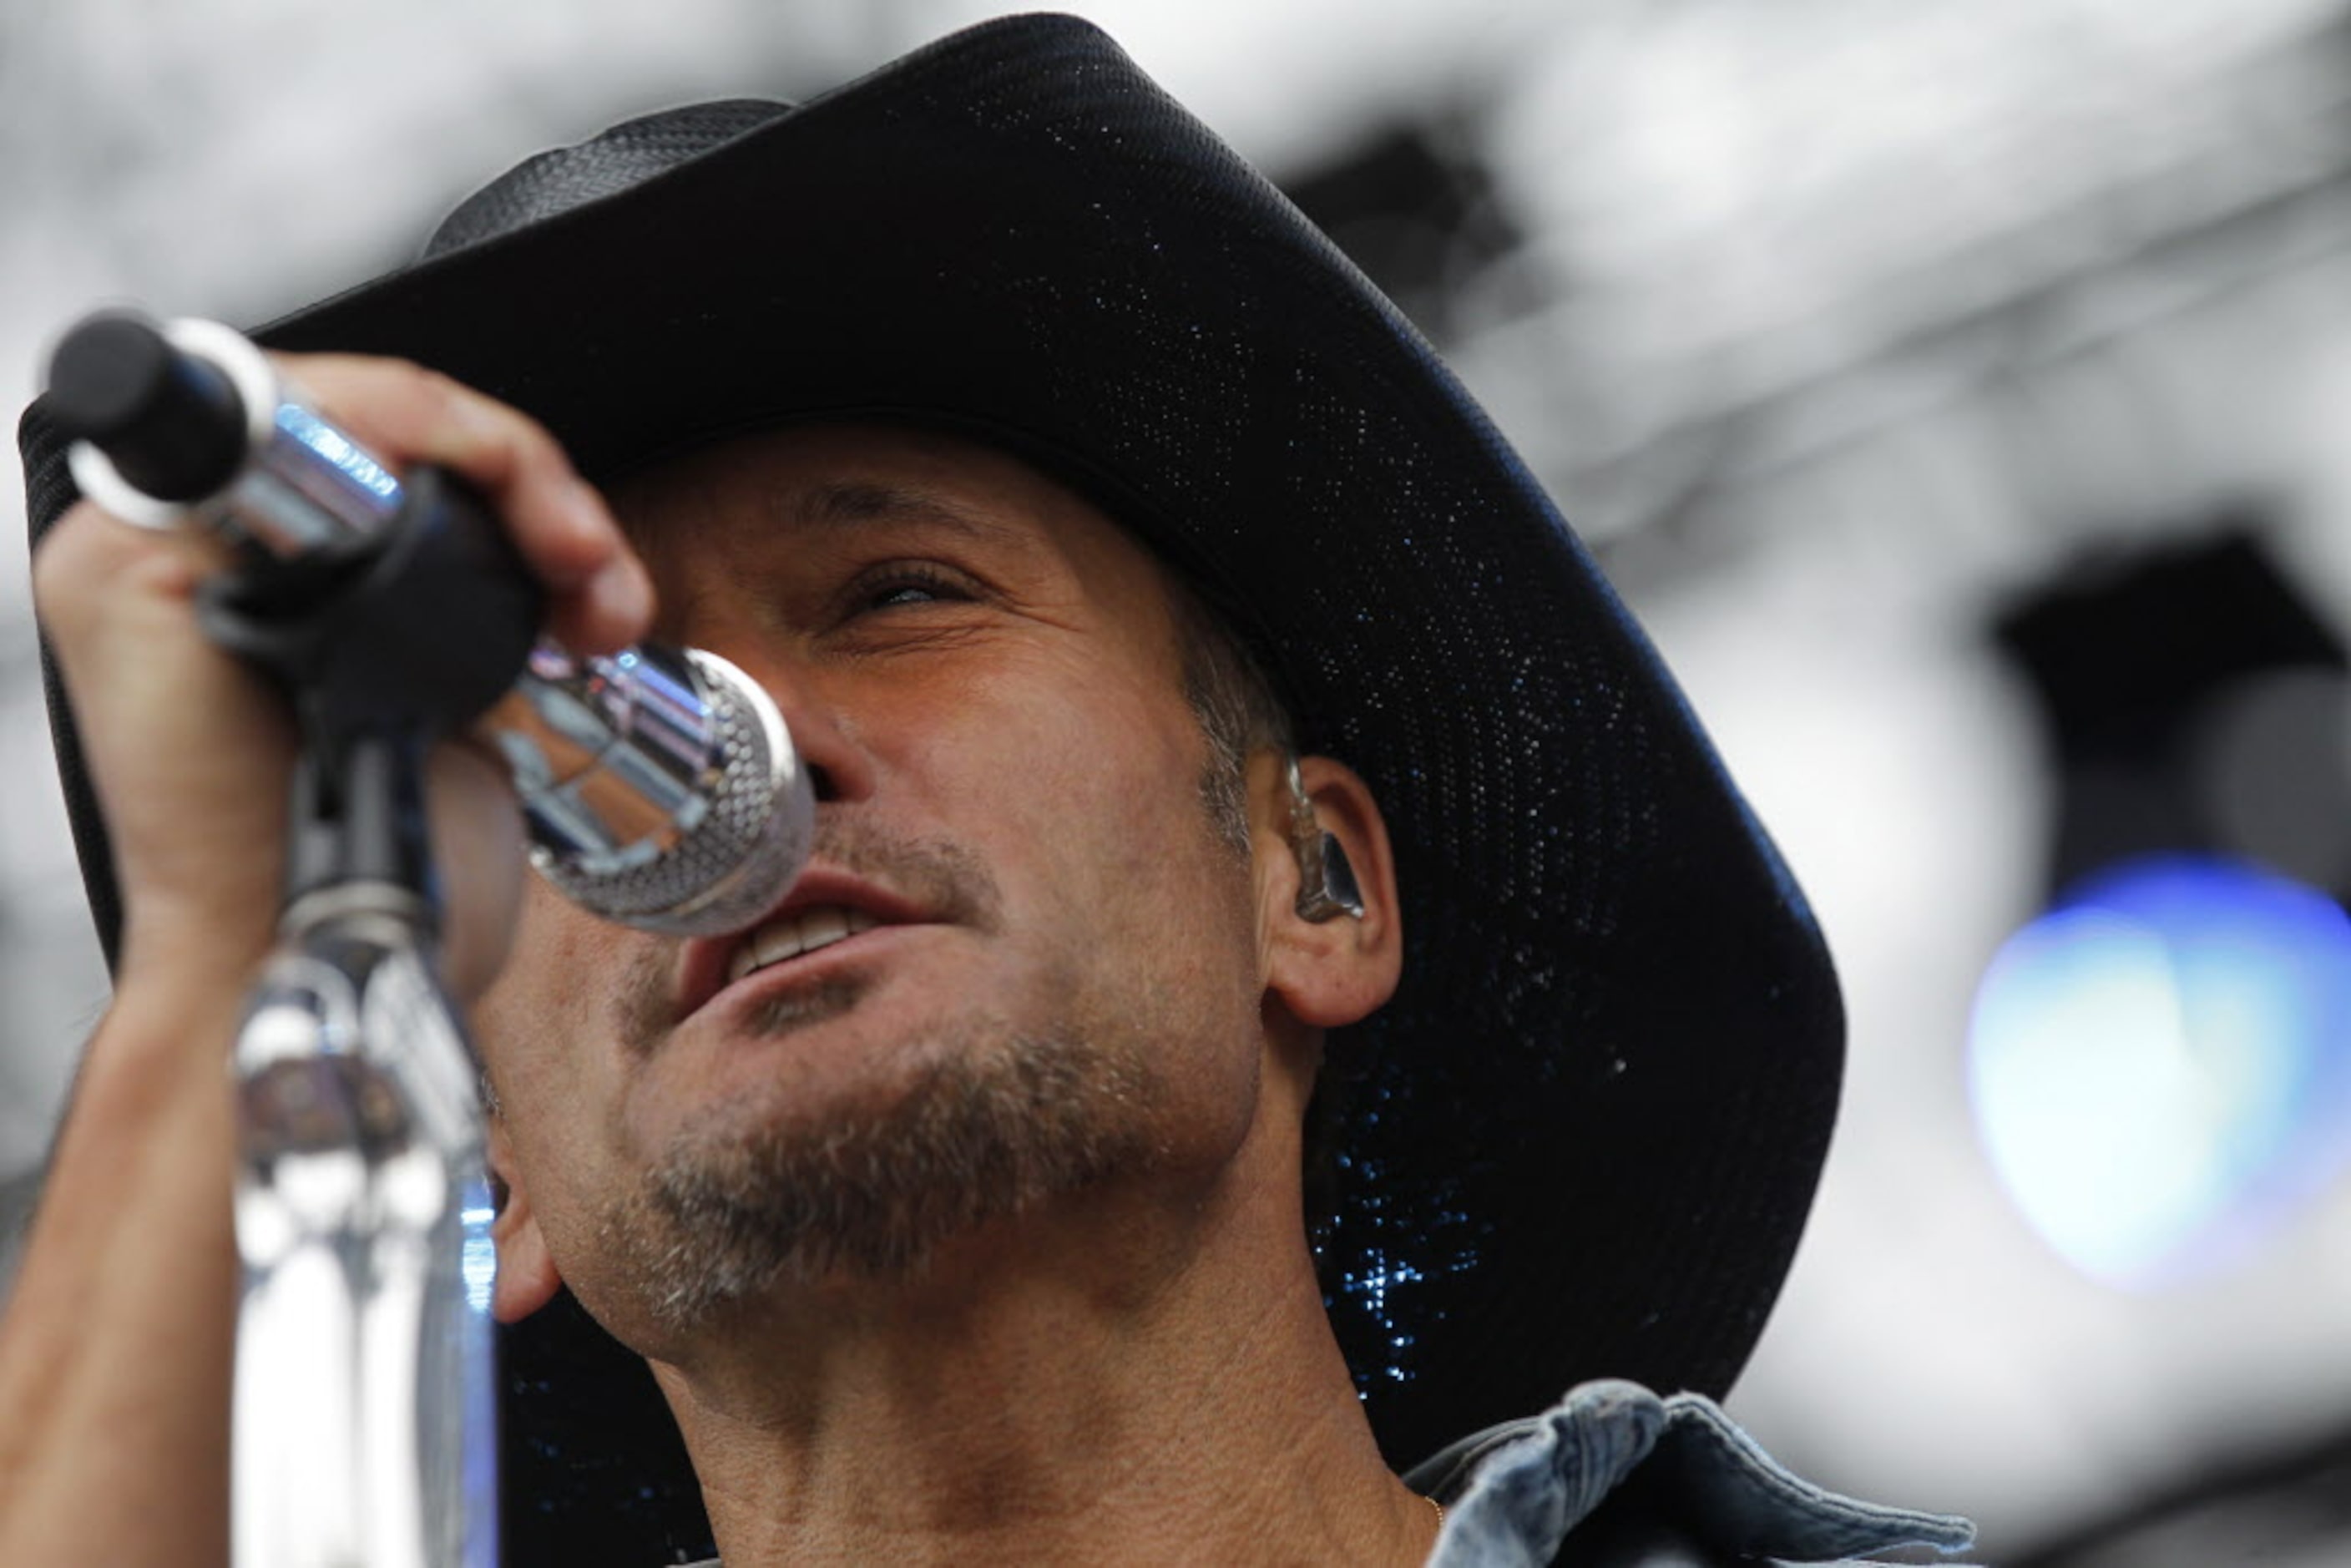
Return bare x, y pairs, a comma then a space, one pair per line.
808, 968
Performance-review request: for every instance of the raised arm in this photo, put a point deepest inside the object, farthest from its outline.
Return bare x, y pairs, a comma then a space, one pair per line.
115, 1346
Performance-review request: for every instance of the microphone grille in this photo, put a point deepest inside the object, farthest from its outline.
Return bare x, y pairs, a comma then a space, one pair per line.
736, 863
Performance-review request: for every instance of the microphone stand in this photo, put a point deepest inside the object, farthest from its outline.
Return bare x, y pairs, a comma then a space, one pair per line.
366, 1389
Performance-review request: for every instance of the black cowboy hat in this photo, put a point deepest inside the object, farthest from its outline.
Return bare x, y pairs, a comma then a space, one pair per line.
1583, 1139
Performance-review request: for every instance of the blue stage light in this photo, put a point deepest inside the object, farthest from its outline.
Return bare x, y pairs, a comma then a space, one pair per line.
2161, 1065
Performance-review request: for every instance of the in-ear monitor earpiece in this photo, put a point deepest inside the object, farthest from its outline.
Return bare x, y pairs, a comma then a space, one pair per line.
1326, 881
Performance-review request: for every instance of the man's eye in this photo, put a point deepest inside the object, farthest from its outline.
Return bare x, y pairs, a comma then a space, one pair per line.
904, 587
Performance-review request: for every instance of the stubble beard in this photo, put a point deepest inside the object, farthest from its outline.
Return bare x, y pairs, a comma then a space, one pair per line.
984, 1131
980, 1124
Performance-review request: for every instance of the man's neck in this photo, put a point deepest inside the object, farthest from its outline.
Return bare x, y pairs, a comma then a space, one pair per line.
1122, 1386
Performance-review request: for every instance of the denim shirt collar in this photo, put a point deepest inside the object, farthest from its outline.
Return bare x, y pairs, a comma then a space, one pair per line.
1512, 1492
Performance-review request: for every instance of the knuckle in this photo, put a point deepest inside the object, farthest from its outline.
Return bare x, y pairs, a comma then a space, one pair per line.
498, 437
527, 441
433, 386
431, 400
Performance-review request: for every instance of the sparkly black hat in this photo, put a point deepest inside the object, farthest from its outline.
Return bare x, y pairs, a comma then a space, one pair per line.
1583, 1139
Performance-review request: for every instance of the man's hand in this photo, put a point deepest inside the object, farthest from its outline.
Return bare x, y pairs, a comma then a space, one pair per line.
189, 751
114, 1351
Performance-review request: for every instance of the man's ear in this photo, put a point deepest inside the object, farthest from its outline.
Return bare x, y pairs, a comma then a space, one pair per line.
1329, 968
527, 1279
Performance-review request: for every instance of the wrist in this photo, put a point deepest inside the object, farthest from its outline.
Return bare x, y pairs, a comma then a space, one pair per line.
188, 962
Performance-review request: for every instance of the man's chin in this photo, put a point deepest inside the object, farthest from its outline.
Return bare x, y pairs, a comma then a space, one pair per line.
752, 1202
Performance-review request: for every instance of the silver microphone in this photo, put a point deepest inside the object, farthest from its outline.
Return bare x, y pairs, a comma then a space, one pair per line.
659, 786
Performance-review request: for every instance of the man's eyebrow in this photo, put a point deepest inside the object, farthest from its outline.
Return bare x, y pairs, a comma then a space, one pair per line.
845, 504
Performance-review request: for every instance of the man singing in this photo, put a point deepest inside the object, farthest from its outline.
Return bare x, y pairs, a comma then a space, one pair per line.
1287, 1035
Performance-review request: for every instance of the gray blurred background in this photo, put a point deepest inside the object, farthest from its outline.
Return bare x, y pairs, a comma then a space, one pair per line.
1959, 392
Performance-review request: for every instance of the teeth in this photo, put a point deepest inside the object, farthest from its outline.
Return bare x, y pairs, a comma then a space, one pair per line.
795, 934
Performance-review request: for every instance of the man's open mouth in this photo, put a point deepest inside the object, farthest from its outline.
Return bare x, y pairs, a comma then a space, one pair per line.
827, 906
804, 931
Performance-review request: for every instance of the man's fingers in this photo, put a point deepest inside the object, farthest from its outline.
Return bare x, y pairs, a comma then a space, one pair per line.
89, 555
408, 414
